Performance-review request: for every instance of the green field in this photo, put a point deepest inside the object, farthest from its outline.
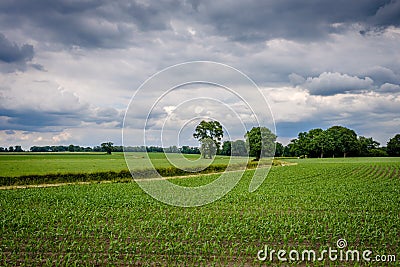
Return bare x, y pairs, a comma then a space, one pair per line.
305, 206
17, 164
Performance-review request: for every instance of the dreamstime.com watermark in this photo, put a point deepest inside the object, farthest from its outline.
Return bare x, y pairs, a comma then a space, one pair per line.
339, 253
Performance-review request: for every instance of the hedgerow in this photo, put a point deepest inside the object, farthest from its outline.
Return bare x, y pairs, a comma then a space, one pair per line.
53, 178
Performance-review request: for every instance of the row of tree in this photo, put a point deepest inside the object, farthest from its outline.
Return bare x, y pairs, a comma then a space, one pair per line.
11, 149
107, 147
337, 141
259, 142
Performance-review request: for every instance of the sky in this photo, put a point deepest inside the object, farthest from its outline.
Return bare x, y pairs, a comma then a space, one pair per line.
69, 69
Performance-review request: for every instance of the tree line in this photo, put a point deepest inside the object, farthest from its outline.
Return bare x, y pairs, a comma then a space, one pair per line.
259, 141
336, 141
107, 147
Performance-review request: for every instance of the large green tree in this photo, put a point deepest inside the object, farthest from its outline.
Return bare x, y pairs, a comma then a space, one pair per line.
261, 142
344, 140
367, 146
322, 142
226, 148
301, 145
337, 140
239, 148
107, 146
279, 149
313, 143
209, 129
393, 146
208, 148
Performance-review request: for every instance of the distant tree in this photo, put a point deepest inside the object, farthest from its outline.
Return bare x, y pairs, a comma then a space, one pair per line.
174, 149
344, 140
117, 149
18, 149
261, 142
78, 149
378, 152
368, 146
209, 129
239, 148
314, 145
88, 149
208, 148
293, 148
71, 148
321, 142
189, 150
97, 149
11, 149
301, 145
2, 149
279, 149
185, 150
226, 148
393, 146
154, 149
107, 147
287, 151
171, 149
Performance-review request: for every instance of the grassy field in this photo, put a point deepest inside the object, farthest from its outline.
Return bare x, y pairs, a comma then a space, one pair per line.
306, 206
17, 164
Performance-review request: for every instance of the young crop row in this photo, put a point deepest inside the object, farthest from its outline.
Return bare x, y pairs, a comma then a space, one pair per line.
306, 206
123, 175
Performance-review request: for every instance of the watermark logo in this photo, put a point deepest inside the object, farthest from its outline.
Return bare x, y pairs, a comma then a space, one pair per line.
165, 110
340, 253
341, 243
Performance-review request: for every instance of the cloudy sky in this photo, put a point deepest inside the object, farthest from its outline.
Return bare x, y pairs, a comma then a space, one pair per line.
69, 68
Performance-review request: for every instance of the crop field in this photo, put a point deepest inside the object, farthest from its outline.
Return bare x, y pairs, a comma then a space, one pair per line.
308, 206
17, 164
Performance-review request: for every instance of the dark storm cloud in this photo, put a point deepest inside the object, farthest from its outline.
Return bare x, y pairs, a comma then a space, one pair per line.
388, 14
12, 56
35, 120
11, 52
120, 23
49, 109
299, 20
105, 24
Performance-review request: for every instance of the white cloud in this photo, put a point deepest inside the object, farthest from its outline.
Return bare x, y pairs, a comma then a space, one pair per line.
328, 83
62, 137
389, 88
371, 114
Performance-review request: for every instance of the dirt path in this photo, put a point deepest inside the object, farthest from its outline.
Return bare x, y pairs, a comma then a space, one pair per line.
7, 187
